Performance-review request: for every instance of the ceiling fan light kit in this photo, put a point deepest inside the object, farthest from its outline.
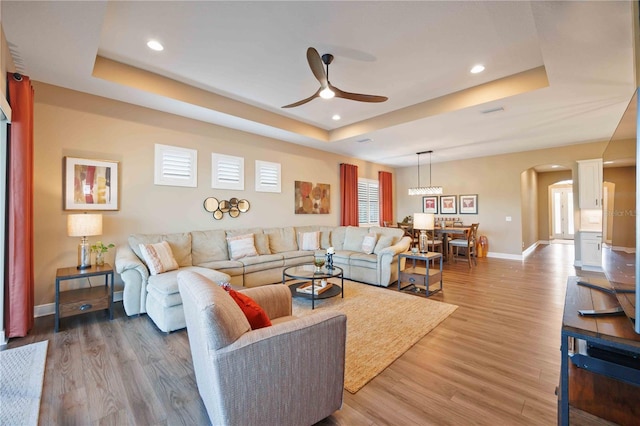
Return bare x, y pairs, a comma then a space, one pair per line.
327, 90
425, 190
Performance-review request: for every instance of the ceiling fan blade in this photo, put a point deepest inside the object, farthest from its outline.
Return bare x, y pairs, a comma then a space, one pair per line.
356, 96
317, 66
304, 101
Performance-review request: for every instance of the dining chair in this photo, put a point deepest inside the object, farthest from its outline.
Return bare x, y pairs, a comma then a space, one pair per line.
434, 243
468, 244
409, 232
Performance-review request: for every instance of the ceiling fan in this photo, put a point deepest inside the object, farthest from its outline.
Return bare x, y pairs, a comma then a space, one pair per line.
327, 90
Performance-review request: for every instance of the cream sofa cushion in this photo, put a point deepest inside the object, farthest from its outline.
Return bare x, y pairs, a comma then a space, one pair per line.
282, 239
209, 246
354, 236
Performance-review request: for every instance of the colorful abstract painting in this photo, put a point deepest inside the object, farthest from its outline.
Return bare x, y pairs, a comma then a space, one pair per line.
312, 198
90, 184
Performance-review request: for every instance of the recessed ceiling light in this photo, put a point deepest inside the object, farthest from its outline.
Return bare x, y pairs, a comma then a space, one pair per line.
336, 117
155, 45
477, 68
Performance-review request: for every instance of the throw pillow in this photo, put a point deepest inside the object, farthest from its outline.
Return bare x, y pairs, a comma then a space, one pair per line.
309, 240
241, 246
369, 243
383, 242
256, 316
158, 257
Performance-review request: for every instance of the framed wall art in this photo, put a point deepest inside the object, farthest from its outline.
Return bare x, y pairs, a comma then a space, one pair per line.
90, 184
469, 204
448, 204
430, 205
312, 198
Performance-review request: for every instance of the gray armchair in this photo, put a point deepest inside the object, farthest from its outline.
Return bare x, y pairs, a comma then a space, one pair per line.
291, 373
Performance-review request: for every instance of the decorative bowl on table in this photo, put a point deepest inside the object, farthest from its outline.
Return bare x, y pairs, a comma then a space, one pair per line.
319, 263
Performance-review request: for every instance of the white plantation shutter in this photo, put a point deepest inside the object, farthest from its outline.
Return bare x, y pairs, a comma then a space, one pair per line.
227, 172
267, 176
368, 205
175, 166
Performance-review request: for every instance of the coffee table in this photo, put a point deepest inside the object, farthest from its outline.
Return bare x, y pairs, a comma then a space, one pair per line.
307, 274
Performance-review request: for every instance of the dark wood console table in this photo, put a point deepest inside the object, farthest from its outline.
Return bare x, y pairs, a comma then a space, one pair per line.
608, 332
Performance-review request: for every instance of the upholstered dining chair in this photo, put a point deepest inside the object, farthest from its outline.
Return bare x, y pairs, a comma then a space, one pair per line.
468, 244
288, 373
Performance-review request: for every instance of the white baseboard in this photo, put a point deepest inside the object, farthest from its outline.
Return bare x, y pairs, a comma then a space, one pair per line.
3, 339
592, 268
504, 256
50, 308
624, 249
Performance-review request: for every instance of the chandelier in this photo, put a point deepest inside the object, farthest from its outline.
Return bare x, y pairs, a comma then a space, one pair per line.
425, 190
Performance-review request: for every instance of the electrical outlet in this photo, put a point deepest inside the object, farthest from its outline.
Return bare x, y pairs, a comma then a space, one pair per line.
508, 218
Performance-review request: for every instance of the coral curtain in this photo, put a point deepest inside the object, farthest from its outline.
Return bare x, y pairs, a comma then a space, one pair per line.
349, 194
19, 288
385, 183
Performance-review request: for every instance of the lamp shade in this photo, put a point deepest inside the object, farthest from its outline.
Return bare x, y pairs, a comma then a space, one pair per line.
84, 225
423, 221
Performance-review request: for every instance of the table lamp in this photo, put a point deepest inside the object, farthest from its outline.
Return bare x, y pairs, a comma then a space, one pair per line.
422, 222
84, 225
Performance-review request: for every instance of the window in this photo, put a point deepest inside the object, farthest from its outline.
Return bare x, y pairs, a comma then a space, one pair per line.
368, 202
227, 172
175, 166
267, 176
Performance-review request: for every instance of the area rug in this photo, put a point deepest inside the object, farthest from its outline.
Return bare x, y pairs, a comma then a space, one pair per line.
381, 325
21, 378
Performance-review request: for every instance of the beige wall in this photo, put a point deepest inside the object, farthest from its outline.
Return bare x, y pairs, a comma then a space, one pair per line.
497, 181
622, 217
545, 180
529, 196
69, 123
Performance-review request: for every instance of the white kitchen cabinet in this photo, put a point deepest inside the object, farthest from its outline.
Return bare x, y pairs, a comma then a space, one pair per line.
591, 250
590, 184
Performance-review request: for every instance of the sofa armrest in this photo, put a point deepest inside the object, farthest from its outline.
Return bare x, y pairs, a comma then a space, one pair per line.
275, 299
392, 251
271, 358
134, 274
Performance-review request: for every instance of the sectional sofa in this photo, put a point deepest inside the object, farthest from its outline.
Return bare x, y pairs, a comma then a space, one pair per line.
249, 258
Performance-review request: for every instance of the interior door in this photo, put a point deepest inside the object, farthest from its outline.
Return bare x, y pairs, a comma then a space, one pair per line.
562, 213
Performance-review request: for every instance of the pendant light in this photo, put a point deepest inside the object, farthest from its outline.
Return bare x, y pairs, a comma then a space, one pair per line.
425, 190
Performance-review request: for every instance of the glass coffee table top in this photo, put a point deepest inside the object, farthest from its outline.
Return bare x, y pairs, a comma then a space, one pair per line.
309, 274
303, 272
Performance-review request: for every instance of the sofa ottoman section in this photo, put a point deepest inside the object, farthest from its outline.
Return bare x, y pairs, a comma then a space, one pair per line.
164, 304
262, 269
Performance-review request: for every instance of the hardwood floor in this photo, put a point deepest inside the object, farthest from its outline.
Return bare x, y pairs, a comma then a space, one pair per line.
495, 361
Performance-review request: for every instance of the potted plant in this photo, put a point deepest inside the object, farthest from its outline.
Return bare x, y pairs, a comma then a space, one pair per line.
100, 249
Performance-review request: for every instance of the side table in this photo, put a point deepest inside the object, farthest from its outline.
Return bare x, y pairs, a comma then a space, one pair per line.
84, 300
419, 277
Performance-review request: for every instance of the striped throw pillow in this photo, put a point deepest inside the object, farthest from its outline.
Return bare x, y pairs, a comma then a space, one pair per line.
158, 257
241, 246
309, 240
